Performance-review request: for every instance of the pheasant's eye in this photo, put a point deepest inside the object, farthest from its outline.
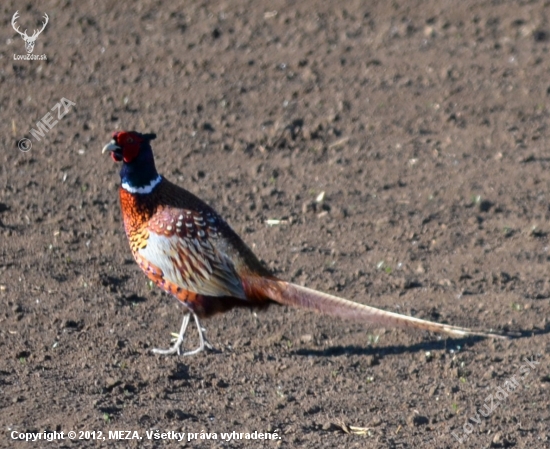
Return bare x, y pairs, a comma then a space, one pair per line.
130, 140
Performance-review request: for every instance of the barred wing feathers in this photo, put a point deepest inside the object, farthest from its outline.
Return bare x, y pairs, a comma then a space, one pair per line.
181, 243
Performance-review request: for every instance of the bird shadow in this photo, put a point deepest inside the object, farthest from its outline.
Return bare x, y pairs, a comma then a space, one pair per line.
444, 344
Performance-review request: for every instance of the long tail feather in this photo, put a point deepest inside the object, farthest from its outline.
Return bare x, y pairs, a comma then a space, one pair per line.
294, 295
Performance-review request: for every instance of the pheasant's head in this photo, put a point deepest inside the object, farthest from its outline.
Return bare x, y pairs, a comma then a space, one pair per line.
138, 169
127, 145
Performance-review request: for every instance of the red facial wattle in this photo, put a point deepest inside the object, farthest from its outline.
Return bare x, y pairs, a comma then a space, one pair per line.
129, 152
130, 143
116, 157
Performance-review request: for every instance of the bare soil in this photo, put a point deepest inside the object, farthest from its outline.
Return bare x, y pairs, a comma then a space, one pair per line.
425, 124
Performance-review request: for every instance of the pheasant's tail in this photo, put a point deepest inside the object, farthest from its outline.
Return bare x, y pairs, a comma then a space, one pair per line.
294, 295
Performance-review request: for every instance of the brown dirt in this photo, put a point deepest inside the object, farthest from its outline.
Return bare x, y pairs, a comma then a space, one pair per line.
425, 124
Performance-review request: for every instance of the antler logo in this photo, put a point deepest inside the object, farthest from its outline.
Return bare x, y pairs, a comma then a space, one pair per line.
29, 40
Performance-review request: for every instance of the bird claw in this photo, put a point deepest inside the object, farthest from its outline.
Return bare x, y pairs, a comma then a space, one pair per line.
178, 340
169, 351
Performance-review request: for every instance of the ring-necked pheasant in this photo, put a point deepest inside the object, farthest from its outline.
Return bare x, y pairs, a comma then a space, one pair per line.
188, 250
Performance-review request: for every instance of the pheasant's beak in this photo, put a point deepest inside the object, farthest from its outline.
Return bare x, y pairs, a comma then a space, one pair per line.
111, 146
114, 149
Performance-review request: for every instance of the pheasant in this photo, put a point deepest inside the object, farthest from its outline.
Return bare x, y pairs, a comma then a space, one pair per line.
189, 251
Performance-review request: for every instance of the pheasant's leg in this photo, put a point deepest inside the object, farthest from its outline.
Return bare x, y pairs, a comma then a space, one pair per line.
203, 341
177, 345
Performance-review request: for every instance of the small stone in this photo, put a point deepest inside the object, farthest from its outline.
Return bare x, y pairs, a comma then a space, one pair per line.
306, 338
413, 369
111, 382
308, 207
372, 360
375, 422
16, 308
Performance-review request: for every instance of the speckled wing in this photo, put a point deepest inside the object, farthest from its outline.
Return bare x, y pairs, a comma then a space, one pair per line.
180, 245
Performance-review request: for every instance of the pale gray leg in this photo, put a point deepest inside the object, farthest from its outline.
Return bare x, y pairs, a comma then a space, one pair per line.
177, 345
203, 342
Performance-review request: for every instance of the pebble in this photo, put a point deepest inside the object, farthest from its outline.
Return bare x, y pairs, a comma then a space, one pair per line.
375, 422
306, 338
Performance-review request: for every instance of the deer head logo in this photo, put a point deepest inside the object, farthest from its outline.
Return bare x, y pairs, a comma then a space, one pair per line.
29, 40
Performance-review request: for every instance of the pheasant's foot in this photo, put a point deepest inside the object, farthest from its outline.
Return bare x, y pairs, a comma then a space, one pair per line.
204, 343
176, 347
